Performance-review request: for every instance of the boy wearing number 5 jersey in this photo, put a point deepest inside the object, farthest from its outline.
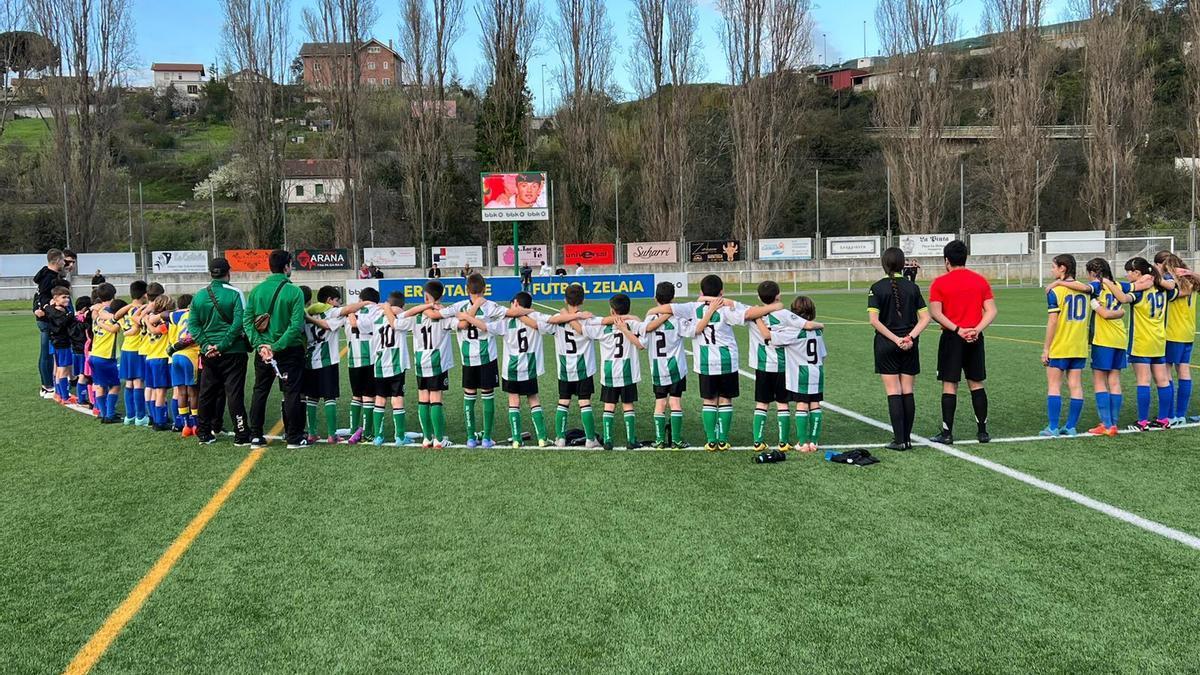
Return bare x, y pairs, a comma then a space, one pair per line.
576, 366
522, 362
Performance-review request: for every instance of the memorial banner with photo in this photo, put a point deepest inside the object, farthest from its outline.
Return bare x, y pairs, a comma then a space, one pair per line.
399, 256
641, 253
589, 254
715, 251
796, 248
167, 262
925, 245
514, 196
249, 259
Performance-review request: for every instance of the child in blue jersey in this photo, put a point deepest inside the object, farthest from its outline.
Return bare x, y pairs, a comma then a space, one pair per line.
1066, 347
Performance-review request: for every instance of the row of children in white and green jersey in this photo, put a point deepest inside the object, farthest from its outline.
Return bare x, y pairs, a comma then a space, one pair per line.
787, 351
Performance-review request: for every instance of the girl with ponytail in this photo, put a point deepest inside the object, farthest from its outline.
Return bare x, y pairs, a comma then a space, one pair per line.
1066, 347
896, 310
1181, 329
1148, 339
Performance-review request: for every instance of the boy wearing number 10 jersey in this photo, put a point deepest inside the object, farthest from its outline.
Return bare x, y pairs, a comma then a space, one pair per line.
391, 362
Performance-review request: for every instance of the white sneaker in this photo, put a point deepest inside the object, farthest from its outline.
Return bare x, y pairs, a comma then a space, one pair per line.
591, 443
426, 443
560, 442
437, 445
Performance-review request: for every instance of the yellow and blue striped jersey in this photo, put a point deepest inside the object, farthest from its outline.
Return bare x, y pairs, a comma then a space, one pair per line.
104, 343
1109, 332
1071, 336
1148, 330
1181, 318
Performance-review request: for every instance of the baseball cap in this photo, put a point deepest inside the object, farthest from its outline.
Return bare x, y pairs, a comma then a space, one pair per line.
218, 267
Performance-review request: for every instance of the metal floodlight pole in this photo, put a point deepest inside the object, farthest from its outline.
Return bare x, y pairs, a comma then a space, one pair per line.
287, 193
617, 200
1192, 219
66, 215
962, 212
888, 204
421, 216
142, 225
817, 183
553, 237
1037, 194
354, 220
371, 215
129, 201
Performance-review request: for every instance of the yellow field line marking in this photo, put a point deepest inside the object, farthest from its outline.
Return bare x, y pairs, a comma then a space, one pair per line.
99, 643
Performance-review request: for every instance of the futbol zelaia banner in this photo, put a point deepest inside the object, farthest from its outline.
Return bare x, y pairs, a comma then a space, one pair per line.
513, 196
502, 289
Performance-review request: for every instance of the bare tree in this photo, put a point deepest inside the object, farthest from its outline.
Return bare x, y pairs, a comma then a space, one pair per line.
584, 39
95, 42
342, 27
1119, 96
914, 106
429, 30
766, 42
1019, 160
509, 30
664, 62
256, 46
1191, 57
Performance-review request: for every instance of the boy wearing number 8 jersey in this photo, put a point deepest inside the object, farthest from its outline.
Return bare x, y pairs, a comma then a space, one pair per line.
668, 368
522, 362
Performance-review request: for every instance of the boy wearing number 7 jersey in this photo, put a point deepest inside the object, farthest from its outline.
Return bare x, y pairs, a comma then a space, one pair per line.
522, 362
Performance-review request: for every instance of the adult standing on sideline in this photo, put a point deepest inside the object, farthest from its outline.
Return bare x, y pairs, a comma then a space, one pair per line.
961, 301
435, 272
911, 267
98, 278
466, 270
897, 312
526, 277
545, 270
216, 324
46, 280
274, 324
70, 261
579, 269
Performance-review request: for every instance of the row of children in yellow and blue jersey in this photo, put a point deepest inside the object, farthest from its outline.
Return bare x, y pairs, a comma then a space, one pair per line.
143, 347
1148, 320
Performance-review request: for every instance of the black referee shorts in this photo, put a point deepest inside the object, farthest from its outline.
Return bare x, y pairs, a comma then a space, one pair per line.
891, 360
957, 357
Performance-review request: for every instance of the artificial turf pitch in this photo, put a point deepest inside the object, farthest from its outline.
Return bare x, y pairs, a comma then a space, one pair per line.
361, 559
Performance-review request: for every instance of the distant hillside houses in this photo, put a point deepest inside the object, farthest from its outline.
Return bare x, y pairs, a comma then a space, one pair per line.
187, 78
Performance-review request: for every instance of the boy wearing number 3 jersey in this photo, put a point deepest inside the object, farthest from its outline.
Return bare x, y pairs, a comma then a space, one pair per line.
620, 338
522, 363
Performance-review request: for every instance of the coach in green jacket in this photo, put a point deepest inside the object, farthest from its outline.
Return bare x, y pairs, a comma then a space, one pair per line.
279, 348
215, 322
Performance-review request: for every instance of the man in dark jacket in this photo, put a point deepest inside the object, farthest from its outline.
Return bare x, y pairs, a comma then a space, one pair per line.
47, 279
216, 323
279, 348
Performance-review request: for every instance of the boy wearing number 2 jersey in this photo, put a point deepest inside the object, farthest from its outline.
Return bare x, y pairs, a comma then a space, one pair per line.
668, 367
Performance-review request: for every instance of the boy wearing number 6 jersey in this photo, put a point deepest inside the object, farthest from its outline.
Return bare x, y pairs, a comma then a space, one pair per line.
804, 370
522, 362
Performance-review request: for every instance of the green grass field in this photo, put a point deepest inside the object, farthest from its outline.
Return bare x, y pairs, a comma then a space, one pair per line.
366, 559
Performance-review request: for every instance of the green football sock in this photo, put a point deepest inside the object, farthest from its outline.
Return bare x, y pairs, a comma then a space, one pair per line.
368, 421
380, 417
589, 422
801, 426
560, 422
725, 415
630, 427
676, 426
814, 426
330, 418
760, 420
399, 423
469, 414
539, 422
355, 415
708, 415
608, 422
660, 428
424, 419
489, 414
784, 419
438, 417
514, 423
310, 407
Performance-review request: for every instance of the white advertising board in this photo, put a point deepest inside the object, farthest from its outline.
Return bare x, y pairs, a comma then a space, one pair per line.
1000, 243
398, 256
168, 262
449, 257
532, 254
646, 252
1075, 241
924, 245
852, 247
796, 248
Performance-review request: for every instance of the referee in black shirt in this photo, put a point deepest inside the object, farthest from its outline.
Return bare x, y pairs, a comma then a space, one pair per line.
897, 312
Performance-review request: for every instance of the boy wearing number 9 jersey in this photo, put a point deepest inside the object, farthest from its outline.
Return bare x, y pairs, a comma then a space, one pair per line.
1066, 346
804, 369
522, 362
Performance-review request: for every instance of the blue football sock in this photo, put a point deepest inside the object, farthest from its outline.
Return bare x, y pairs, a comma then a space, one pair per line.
81, 392
1053, 410
1143, 402
1183, 397
130, 406
1102, 408
63, 389
110, 405
191, 420
1073, 412
1114, 408
175, 412
1166, 401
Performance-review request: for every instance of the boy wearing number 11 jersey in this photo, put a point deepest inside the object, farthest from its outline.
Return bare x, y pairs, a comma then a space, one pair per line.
433, 358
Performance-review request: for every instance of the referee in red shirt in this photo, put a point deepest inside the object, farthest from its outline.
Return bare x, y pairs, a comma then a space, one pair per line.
962, 302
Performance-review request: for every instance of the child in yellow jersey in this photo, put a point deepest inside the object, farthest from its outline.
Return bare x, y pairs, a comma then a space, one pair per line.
132, 368
1066, 346
103, 359
158, 372
1148, 340
1109, 341
1181, 330
185, 362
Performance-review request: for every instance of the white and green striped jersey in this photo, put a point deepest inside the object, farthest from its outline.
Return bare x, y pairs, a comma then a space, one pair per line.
475, 347
619, 361
391, 355
361, 339
321, 345
576, 357
715, 349
668, 361
433, 351
523, 356
805, 372
771, 358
